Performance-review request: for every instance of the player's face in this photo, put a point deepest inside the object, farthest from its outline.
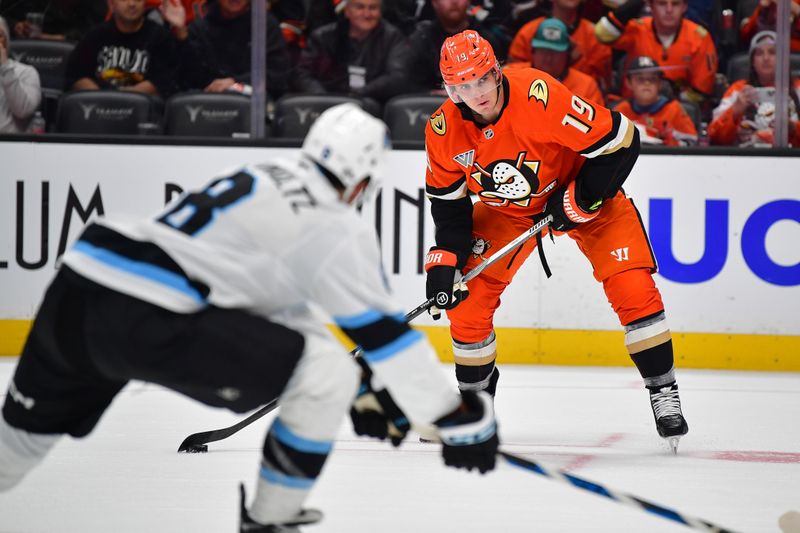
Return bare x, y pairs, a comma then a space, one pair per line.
668, 13
550, 61
645, 87
364, 15
764, 64
481, 96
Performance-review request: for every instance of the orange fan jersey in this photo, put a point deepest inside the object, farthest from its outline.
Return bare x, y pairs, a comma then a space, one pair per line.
690, 61
752, 25
594, 57
539, 142
576, 81
669, 122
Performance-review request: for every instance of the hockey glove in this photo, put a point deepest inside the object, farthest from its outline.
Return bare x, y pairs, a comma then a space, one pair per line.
443, 283
469, 434
567, 211
374, 413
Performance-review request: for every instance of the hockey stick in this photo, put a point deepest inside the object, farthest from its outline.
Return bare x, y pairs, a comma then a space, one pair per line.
619, 497
196, 442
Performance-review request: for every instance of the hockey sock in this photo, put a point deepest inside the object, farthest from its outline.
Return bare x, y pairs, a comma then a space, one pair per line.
290, 466
649, 343
475, 369
20, 452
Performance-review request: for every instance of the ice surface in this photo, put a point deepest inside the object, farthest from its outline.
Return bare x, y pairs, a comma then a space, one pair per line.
738, 467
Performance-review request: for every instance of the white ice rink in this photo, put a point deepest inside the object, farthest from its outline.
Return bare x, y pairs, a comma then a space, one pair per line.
738, 467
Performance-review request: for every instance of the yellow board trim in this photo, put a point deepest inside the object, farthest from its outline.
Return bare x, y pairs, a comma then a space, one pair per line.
578, 347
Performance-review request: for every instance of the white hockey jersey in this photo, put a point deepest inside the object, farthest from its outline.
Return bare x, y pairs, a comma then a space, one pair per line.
270, 239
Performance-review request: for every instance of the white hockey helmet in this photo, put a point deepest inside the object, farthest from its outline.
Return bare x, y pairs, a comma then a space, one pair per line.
349, 144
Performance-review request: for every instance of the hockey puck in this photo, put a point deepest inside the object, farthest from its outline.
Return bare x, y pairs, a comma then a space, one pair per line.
197, 448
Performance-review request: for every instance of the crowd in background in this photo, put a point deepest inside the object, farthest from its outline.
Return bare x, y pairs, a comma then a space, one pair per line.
686, 71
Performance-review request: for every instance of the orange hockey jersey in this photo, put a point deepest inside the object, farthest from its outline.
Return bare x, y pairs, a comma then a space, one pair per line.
667, 120
594, 57
540, 141
690, 61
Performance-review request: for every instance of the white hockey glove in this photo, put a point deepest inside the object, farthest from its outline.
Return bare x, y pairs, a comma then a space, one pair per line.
469, 434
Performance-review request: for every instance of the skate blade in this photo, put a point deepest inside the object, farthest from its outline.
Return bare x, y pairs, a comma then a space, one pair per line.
673, 444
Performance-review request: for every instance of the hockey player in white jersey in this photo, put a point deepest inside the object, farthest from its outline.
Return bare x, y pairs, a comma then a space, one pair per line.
211, 298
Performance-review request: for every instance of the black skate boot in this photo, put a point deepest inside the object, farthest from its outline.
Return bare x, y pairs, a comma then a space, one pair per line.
670, 424
248, 525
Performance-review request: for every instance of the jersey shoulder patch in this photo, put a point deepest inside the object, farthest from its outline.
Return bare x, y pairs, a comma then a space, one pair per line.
539, 91
438, 122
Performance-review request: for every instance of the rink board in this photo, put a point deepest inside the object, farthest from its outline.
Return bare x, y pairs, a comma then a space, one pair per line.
725, 231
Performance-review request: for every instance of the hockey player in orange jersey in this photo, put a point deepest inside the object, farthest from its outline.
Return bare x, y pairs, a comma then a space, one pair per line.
528, 147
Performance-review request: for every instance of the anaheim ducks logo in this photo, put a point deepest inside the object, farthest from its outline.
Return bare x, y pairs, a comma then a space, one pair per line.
539, 91
480, 246
438, 125
507, 182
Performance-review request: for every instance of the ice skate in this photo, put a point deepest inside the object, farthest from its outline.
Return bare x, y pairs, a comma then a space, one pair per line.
670, 423
248, 525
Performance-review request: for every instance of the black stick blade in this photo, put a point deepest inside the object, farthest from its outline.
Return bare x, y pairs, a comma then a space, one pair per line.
194, 442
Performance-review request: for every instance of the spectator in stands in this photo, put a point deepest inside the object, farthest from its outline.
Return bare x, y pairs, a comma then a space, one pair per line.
62, 19
426, 42
20, 93
291, 15
660, 120
128, 53
323, 12
551, 53
214, 52
764, 17
588, 55
746, 114
360, 54
683, 48
193, 9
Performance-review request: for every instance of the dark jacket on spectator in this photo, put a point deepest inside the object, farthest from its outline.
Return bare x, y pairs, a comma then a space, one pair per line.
114, 59
425, 44
70, 18
323, 66
220, 48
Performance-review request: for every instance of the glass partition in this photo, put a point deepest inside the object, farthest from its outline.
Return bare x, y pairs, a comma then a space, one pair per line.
228, 70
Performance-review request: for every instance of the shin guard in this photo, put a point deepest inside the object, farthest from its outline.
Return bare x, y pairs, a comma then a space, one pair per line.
475, 368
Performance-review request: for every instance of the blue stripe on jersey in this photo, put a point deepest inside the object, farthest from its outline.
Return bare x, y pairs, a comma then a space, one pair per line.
141, 269
386, 351
358, 321
286, 436
279, 478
